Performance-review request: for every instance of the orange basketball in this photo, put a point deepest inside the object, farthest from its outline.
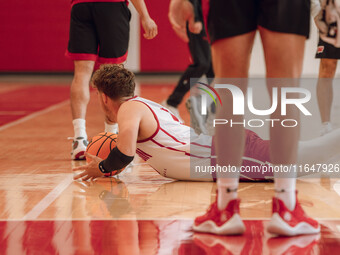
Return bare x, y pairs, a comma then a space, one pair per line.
101, 145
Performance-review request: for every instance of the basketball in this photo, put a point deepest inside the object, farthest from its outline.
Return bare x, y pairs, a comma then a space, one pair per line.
101, 145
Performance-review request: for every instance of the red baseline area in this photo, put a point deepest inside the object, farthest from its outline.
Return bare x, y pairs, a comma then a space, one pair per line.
155, 237
18, 103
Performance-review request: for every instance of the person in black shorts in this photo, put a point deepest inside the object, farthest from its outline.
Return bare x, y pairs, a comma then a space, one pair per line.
328, 53
329, 56
201, 62
232, 25
99, 32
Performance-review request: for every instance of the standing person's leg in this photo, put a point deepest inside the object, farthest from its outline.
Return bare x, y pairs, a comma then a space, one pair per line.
229, 141
328, 55
210, 73
204, 65
283, 61
224, 52
200, 53
283, 43
324, 91
80, 96
82, 49
232, 25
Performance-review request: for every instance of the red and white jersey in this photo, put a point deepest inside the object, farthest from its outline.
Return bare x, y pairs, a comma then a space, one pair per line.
170, 149
175, 150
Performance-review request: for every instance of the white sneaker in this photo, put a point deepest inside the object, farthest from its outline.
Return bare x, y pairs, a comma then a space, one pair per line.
79, 145
197, 120
209, 123
326, 128
173, 110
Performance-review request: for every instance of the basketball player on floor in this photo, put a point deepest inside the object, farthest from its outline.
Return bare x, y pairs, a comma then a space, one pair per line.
157, 136
99, 32
232, 26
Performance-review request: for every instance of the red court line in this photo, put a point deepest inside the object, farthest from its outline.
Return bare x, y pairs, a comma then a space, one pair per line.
19, 103
158, 236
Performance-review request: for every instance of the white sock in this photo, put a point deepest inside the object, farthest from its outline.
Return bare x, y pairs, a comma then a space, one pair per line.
227, 190
112, 128
285, 190
79, 128
326, 128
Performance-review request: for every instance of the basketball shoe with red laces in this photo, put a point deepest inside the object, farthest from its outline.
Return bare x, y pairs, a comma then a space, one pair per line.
291, 223
221, 222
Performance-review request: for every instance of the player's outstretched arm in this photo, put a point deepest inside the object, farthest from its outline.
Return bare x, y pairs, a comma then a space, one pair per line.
149, 25
128, 120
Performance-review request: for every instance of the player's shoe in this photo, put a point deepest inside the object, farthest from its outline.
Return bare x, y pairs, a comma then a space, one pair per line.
79, 145
173, 110
221, 222
326, 128
209, 123
197, 120
291, 223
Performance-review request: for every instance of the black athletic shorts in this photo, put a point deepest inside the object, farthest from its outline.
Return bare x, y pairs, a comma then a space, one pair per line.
227, 18
326, 50
99, 31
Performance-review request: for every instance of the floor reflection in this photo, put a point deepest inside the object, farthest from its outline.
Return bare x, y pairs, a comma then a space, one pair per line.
155, 237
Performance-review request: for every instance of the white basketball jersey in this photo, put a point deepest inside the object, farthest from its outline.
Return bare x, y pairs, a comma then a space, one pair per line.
170, 149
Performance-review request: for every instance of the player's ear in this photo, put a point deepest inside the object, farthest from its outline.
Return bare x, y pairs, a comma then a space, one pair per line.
105, 98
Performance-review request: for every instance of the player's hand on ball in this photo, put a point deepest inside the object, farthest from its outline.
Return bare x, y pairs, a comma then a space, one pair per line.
90, 171
150, 28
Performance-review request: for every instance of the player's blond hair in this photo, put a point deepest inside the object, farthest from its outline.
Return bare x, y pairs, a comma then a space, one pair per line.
115, 81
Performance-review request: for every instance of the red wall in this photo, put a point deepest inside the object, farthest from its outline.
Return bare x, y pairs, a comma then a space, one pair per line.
34, 36
166, 52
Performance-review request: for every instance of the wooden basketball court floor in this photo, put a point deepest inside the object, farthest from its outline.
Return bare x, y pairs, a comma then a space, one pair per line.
43, 211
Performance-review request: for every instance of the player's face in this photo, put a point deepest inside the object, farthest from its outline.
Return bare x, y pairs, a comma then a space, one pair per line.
109, 113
